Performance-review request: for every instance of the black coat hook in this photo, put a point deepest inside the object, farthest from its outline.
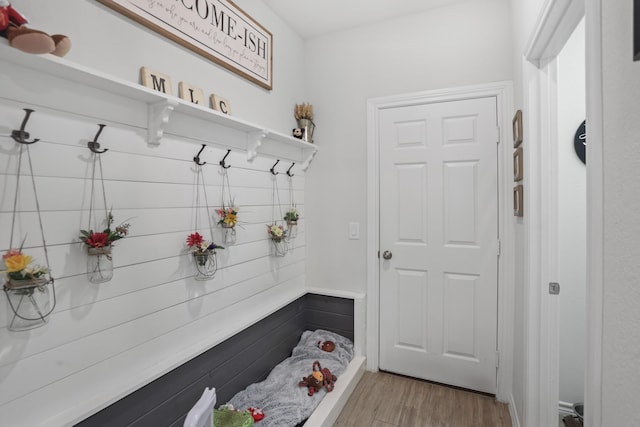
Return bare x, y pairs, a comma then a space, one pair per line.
95, 145
222, 162
274, 167
21, 135
289, 170
197, 157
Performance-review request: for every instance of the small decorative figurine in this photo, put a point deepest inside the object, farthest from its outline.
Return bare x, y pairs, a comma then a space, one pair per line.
298, 133
13, 27
327, 346
321, 377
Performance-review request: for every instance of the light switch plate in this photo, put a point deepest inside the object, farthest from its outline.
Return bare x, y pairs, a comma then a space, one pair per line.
354, 230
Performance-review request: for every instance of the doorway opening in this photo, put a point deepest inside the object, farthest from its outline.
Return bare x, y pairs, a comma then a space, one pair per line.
542, 332
572, 224
502, 92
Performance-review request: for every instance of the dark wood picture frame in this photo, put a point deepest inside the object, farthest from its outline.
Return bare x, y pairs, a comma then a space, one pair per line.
636, 30
225, 35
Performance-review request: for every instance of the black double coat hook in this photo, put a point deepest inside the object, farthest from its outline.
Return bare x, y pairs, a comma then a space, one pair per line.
273, 168
22, 135
196, 159
289, 170
222, 162
94, 145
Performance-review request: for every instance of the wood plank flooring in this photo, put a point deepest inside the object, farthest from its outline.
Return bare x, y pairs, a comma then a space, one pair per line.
382, 400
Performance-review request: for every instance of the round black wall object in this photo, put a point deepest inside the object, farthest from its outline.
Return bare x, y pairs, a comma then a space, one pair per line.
580, 142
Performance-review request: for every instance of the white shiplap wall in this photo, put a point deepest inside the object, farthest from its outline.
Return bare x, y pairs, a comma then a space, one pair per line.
104, 341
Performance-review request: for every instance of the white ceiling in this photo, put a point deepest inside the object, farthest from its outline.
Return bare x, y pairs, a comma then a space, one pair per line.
310, 18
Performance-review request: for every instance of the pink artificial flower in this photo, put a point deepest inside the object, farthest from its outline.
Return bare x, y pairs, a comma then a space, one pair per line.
10, 253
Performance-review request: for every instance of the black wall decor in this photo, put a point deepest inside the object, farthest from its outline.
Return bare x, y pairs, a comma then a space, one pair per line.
580, 142
636, 30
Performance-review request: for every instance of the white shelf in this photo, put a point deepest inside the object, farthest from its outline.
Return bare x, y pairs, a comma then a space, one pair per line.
170, 114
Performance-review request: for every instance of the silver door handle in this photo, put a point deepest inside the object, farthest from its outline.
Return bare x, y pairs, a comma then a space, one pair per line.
387, 255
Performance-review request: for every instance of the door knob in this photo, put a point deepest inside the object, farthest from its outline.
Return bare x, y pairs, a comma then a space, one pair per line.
387, 255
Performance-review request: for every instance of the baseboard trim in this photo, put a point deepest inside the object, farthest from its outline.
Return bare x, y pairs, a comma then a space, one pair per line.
513, 412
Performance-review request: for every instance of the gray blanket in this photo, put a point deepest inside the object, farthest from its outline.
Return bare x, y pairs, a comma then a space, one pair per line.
284, 402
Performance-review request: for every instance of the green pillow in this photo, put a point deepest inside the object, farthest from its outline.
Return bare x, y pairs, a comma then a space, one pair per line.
228, 418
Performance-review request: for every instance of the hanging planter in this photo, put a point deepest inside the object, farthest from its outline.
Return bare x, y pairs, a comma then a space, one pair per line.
99, 244
30, 307
292, 217
29, 288
99, 250
228, 221
203, 251
278, 236
228, 213
28, 295
204, 256
99, 265
277, 233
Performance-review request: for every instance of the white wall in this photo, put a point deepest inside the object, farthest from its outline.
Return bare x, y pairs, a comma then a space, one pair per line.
106, 40
572, 218
467, 43
621, 160
103, 341
524, 16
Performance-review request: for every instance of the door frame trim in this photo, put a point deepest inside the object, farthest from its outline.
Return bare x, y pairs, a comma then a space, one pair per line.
553, 29
503, 91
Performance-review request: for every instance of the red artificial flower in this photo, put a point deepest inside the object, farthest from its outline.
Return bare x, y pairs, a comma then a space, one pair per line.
98, 240
194, 239
10, 253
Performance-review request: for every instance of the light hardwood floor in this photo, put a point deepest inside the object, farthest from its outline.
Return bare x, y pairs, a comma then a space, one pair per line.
382, 399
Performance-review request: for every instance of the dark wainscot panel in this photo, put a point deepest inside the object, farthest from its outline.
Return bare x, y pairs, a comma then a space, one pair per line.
245, 358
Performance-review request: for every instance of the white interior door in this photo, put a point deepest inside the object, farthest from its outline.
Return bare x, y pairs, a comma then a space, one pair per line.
439, 223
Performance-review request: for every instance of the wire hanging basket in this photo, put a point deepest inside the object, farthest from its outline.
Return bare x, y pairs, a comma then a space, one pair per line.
203, 252
29, 288
292, 215
276, 231
228, 212
205, 264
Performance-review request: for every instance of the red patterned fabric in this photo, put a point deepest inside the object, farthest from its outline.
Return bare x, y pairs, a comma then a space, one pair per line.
8, 15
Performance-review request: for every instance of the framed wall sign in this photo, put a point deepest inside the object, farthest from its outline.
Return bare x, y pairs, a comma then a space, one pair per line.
218, 30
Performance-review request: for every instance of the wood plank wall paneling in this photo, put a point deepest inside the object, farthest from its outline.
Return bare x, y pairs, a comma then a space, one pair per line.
245, 358
331, 313
152, 299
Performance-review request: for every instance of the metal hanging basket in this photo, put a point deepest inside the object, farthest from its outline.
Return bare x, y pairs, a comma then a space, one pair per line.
205, 264
31, 301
